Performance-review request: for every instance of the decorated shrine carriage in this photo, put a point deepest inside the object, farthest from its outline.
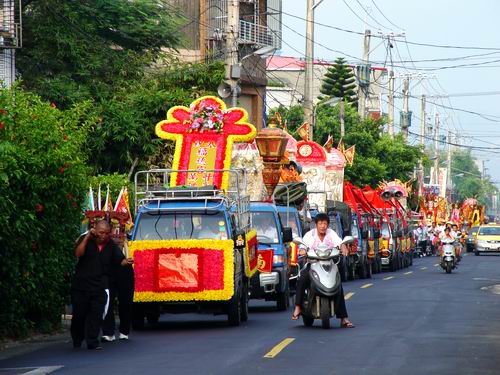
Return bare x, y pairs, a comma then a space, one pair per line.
193, 246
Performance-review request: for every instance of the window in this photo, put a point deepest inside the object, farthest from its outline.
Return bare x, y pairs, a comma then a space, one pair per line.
385, 230
292, 223
267, 229
489, 231
175, 225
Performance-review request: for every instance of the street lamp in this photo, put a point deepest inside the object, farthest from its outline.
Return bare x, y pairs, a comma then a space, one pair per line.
271, 142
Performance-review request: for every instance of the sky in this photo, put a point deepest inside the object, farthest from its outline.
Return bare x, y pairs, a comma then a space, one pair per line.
439, 22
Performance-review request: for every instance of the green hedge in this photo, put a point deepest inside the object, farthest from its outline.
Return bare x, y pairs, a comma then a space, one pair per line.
43, 180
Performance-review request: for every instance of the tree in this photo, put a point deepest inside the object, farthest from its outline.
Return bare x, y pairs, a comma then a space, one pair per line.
339, 82
467, 179
378, 156
110, 52
43, 178
77, 50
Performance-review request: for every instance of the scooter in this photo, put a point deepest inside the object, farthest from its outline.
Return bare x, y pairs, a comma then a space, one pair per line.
325, 283
448, 259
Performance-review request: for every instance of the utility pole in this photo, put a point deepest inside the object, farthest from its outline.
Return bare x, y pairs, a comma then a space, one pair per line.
364, 76
422, 144
390, 115
231, 58
436, 149
405, 115
342, 117
448, 162
308, 87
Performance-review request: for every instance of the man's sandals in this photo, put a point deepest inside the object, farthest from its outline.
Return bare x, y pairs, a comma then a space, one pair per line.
347, 324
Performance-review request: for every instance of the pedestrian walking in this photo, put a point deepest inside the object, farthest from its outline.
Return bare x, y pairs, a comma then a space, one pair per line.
121, 288
90, 290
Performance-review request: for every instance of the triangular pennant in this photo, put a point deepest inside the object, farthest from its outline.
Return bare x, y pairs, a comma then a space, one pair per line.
328, 144
303, 131
349, 154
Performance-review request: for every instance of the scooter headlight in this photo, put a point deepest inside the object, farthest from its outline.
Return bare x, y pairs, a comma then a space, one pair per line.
323, 251
315, 275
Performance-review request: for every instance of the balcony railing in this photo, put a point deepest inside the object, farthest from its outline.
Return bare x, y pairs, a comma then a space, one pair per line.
259, 35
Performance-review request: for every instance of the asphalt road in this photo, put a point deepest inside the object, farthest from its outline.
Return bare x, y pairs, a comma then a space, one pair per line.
414, 321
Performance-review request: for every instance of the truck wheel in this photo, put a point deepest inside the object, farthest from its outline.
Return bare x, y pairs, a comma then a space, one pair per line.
393, 266
283, 300
137, 317
307, 320
244, 303
325, 313
351, 275
362, 269
234, 309
153, 318
368, 270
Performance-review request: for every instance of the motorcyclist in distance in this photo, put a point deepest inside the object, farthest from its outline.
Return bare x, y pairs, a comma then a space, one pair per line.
315, 237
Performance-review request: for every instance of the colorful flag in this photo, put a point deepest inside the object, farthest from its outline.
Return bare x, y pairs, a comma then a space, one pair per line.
349, 154
303, 131
265, 260
89, 200
123, 205
99, 198
328, 144
108, 205
341, 146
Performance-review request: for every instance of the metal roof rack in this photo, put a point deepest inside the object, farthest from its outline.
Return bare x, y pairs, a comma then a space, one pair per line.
152, 189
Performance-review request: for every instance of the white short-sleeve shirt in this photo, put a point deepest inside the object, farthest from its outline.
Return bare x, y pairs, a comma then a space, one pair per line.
312, 240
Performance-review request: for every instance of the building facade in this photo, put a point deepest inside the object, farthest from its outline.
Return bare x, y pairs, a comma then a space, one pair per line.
205, 38
286, 83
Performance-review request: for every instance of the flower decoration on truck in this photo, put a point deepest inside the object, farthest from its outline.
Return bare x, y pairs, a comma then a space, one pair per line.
204, 134
205, 116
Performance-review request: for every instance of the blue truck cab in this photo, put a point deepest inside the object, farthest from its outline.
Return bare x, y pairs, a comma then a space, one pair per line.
271, 234
184, 243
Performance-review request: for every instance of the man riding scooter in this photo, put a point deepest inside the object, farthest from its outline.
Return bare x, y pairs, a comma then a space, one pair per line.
321, 235
457, 235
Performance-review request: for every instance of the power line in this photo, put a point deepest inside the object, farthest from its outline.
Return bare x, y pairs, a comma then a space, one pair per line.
380, 36
383, 15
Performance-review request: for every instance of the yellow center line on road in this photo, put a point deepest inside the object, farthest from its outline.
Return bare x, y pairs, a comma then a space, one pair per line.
423, 268
408, 273
348, 295
278, 348
388, 278
366, 286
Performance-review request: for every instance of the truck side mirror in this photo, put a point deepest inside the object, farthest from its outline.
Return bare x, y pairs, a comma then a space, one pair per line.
287, 234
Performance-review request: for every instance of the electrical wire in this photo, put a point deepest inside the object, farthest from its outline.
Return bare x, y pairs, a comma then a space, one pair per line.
387, 19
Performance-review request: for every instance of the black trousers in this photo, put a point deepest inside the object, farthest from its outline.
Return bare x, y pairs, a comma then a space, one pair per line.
121, 287
338, 300
88, 307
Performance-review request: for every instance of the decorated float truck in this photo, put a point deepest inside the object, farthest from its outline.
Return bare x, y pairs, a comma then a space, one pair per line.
192, 244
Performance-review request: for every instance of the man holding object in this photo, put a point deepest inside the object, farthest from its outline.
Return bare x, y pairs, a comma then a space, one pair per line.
89, 290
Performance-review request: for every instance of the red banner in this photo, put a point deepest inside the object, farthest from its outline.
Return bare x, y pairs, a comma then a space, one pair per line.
265, 260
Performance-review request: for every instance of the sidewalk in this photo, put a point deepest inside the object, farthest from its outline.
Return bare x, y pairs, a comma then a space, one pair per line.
12, 348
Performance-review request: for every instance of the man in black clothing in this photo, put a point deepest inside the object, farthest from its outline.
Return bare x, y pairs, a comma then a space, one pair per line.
95, 252
121, 286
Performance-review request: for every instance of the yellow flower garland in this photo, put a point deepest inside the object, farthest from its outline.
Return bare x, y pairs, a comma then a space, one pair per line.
227, 246
177, 138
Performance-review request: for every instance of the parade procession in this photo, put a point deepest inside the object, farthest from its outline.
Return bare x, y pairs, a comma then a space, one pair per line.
185, 190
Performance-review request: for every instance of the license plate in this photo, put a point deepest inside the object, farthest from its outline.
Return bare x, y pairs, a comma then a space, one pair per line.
385, 261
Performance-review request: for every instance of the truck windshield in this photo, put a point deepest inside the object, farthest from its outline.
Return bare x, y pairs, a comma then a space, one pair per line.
291, 222
385, 230
185, 225
266, 226
354, 229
